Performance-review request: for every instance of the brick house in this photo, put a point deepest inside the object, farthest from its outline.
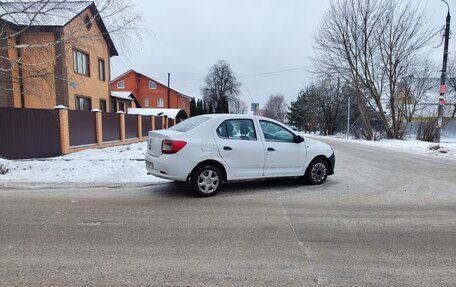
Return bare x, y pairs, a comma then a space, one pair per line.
150, 93
70, 47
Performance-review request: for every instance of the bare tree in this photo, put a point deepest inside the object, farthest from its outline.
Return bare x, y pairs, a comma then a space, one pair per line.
23, 57
237, 106
221, 87
414, 89
371, 44
276, 108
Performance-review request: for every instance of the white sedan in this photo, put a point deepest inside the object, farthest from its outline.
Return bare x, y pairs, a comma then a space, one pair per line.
211, 149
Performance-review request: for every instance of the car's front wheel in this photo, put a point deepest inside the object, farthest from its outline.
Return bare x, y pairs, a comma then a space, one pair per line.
317, 172
206, 181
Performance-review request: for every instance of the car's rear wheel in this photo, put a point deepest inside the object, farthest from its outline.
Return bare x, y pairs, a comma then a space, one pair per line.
317, 172
206, 181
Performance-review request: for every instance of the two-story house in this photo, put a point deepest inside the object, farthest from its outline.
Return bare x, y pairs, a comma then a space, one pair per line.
54, 53
148, 92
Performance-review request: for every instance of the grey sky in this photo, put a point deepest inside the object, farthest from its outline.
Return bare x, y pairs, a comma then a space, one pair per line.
186, 37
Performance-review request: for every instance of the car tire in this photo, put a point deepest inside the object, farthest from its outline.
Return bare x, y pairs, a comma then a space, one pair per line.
206, 181
317, 172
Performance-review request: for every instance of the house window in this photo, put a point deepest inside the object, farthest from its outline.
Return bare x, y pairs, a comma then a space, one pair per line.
81, 63
122, 106
87, 22
152, 85
113, 106
121, 85
160, 103
103, 106
146, 103
101, 70
83, 103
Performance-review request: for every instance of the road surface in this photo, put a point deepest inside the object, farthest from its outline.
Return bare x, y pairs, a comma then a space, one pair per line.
384, 218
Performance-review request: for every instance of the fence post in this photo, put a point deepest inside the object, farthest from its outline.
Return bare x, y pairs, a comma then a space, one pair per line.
165, 122
174, 121
139, 127
99, 126
64, 129
152, 118
122, 125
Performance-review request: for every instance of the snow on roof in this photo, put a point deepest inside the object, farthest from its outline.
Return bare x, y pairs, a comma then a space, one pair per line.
42, 13
171, 113
126, 95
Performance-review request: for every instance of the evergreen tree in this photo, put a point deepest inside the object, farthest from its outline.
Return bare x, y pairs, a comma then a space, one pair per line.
199, 107
193, 107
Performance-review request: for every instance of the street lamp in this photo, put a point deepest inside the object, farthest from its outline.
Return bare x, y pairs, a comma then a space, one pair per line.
443, 77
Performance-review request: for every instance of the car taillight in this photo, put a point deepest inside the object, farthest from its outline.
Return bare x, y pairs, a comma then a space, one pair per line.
170, 146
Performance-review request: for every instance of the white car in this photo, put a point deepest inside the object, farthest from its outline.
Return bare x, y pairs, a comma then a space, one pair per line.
208, 150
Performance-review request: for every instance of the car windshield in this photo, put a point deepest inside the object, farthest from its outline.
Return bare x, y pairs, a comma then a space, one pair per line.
189, 124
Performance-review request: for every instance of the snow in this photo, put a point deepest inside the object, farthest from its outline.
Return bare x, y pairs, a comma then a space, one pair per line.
122, 165
447, 147
122, 95
171, 113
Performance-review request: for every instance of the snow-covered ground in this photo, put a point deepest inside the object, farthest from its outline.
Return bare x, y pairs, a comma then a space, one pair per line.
410, 145
94, 167
124, 165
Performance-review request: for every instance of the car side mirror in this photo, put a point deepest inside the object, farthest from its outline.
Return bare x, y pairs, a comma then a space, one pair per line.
299, 139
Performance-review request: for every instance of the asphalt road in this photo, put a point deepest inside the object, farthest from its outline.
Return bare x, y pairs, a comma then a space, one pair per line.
384, 218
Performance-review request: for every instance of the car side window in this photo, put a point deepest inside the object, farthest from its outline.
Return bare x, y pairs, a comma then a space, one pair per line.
274, 132
241, 129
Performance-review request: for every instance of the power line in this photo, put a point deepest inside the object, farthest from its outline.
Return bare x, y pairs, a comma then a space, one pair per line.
278, 72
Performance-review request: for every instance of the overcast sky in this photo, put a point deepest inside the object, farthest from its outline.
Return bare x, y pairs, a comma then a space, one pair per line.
186, 37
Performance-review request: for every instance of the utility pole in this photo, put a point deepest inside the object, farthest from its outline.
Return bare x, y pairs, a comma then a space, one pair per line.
443, 77
169, 104
348, 118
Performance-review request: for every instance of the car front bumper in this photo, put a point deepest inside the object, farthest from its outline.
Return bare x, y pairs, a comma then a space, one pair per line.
332, 164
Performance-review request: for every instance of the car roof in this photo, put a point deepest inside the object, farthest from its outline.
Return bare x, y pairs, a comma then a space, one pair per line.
235, 116
242, 116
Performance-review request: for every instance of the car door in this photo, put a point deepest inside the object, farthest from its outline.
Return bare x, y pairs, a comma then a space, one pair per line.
239, 146
283, 155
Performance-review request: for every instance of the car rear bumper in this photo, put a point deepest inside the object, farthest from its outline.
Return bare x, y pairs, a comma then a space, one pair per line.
160, 167
332, 164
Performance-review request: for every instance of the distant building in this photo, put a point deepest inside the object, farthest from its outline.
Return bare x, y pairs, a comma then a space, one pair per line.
64, 56
149, 93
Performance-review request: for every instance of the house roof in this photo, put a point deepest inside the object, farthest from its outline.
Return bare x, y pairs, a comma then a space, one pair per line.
126, 95
158, 82
50, 14
170, 113
42, 13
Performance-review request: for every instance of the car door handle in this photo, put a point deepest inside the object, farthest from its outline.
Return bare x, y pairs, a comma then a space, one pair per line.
271, 149
227, 148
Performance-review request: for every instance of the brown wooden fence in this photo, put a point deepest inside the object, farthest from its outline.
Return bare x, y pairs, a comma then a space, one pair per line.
37, 133
131, 126
158, 123
146, 125
82, 127
29, 133
111, 127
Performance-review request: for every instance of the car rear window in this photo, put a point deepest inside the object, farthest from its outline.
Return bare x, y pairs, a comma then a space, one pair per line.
189, 124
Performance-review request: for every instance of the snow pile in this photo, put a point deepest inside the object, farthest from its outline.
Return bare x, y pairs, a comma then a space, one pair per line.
447, 147
109, 166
